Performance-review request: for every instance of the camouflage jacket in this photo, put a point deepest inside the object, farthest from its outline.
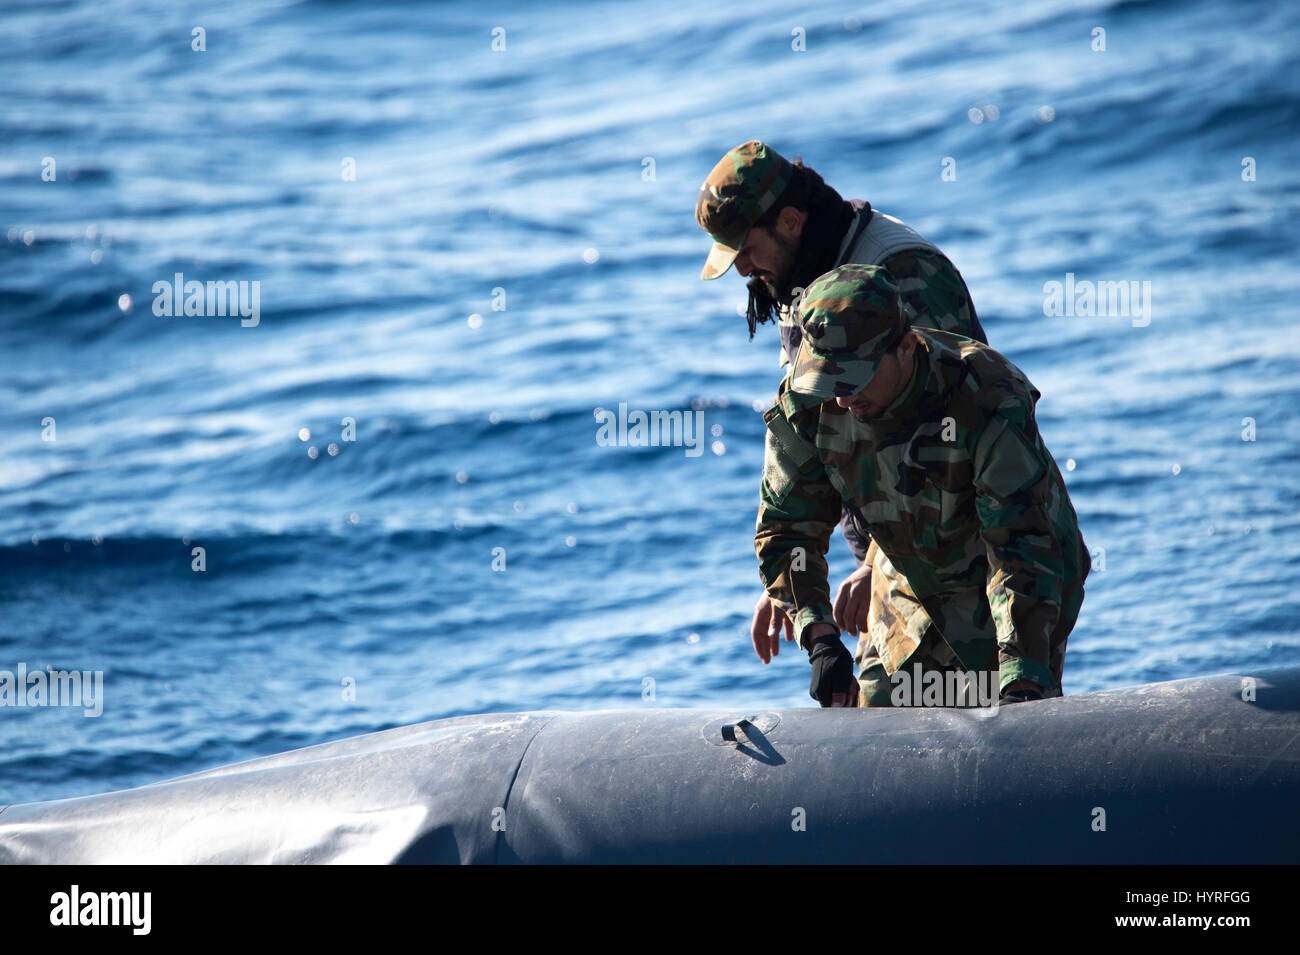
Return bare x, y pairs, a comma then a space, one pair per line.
927, 282
955, 486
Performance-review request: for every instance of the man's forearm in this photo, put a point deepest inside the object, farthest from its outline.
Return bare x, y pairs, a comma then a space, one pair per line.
791, 540
1026, 568
798, 508
794, 576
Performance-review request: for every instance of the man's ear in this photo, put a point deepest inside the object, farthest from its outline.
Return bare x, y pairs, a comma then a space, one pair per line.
906, 345
792, 220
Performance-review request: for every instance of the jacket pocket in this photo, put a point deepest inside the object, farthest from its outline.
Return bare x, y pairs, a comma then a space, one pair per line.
785, 455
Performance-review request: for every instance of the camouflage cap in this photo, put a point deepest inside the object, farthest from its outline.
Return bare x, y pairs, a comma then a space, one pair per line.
742, 186
851, 317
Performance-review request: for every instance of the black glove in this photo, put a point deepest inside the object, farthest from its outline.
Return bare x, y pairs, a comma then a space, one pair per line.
1021, 696
832, 669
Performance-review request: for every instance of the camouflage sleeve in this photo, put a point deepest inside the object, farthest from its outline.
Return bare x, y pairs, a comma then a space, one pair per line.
937, 293
1026, 581
798, 508
791, 335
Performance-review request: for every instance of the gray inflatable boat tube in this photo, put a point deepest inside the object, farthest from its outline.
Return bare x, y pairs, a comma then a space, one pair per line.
1203, 770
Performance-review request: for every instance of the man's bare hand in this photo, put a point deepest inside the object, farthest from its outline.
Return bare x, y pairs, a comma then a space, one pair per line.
769, 619
853, 601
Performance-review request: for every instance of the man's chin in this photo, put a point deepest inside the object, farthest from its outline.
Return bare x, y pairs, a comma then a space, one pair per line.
762, 287
779, 289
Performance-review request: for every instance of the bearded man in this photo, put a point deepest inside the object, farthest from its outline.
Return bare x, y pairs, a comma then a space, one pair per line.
783, 227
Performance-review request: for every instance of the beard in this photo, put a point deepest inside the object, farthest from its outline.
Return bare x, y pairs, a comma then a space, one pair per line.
762, 305
765, 299
806, 260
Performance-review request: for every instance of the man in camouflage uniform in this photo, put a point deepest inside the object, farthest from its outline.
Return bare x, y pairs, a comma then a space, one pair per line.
779, 222
928, 438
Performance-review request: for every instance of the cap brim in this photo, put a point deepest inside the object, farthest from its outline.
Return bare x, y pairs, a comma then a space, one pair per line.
830, 379
719, 260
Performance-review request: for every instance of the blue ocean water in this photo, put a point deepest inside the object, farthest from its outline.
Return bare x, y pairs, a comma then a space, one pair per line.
474, 548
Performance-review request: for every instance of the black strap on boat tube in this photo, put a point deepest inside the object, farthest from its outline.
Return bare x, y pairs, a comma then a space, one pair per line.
729, 729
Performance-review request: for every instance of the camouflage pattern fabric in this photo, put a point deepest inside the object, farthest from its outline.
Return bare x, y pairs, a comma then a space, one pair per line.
931, 288
893, 605
954, 486
851, 317
741, 187
875, 685
935, 291
934, 295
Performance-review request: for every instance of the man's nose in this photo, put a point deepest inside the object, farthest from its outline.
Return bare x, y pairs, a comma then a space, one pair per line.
743, 264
